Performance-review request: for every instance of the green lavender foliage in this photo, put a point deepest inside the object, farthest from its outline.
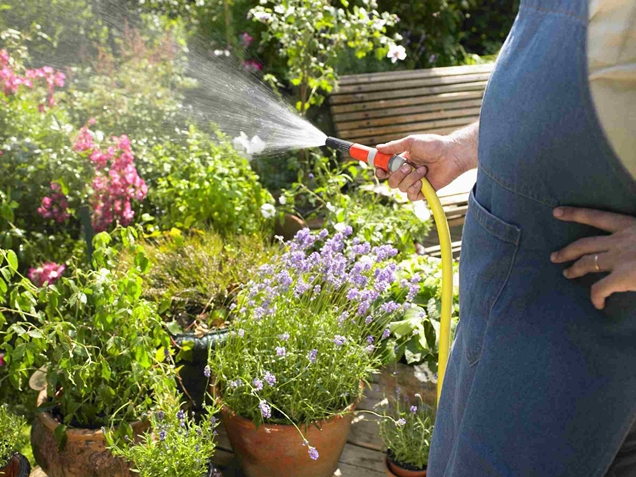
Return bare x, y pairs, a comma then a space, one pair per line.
12, 435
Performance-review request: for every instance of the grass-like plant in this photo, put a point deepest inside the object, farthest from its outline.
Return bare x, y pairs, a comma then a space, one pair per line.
310, 327
195, 277
177, 444
12, 435
406, 430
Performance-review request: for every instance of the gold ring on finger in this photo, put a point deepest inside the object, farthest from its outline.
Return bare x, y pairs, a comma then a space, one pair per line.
598, 269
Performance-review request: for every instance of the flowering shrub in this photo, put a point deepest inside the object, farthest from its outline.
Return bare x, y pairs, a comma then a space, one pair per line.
12, 437
310, 327
176, 445
48, 273
98, 339
406, 430
312, 33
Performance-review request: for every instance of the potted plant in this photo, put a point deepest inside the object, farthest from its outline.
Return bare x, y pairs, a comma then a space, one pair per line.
194, 279
176, 445
406, 429
307, 331
102, 349
12, 439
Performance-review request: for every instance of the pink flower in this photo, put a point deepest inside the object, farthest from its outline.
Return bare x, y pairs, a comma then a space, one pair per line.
84, 141
246, 40
252, 65
54, 207
91, 122
47, 274
4, 58
2, 363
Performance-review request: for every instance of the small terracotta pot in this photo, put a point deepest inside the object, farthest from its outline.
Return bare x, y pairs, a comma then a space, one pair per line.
275, 450
394, 470
85, 453
18, 466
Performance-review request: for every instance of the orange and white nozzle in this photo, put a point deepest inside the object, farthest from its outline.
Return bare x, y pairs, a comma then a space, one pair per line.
369, 155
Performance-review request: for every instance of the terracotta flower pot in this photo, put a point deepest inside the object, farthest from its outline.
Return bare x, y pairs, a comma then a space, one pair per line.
394, 470
18, 466
275, 450
85, 453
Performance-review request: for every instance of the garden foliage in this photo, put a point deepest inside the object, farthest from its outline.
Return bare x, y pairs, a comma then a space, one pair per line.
12, 437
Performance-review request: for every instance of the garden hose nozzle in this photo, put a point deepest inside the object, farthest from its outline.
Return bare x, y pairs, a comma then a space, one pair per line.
369, 155
392, 163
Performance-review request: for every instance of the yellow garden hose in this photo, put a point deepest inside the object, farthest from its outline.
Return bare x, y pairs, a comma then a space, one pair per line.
392, 163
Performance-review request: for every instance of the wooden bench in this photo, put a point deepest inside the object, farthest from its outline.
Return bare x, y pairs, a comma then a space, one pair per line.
375, 108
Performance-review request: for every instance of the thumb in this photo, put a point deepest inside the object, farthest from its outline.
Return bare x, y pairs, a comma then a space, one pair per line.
396, 147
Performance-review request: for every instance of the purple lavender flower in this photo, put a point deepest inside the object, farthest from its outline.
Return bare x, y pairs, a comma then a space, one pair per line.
313, 453
266, 410
304, 239
281, 351
370, 339
301, 287
284, 337
284, 280
413, 409
317, 289
400, 422
162, 435
386, 333
324, 233
344, 315
389, 307
207, 372
236, 383
161, 415
258, 384
363, 308
181, 415
241, 333
368, 320
370, 349
339, 340
310, 175
353, 294
348, 230
311, 356
232, 306
361, 248
270, 378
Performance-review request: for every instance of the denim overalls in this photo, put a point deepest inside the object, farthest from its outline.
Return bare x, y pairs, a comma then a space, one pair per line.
539, 382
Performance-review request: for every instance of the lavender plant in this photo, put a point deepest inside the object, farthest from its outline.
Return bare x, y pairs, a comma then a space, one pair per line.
310, 327
177, 444
12, 436
406, 430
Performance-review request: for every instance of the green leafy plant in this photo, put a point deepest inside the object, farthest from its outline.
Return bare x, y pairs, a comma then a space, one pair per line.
312, 33
196, 276
103, 347
12, 433
177, 444
406, 430
310, 327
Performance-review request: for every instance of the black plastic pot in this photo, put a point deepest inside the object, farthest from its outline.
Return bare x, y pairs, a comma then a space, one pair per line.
194, 361
17, 466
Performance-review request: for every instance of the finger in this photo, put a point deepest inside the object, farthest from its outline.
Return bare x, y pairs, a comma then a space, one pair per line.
584, 246
616, 282
608, 221
396, 147
381, 173
398, 176
588, 264
414, 193
412, 178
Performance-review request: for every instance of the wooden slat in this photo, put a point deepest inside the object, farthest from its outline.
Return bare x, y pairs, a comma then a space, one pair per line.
383, 113
408, 128
402, 84
369, 124
397, 103
407, 93
412, 74
365, 432
362, 458
381, 139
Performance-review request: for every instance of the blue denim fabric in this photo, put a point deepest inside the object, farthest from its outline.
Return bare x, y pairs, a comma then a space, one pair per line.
539, 382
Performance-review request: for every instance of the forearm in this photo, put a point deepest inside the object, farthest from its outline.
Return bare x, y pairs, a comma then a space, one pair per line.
464, 147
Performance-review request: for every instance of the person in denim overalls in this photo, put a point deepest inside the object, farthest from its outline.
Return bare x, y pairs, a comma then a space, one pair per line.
542, 374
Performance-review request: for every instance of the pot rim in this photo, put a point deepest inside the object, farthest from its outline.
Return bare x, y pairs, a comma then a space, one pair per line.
72, 433
388, 463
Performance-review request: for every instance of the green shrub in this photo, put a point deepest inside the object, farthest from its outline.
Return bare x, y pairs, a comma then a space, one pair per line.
12, 435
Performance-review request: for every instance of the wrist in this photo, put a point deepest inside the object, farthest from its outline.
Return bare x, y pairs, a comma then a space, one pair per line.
462, 147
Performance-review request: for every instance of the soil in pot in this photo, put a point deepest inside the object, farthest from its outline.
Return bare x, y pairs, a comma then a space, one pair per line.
83, 455
274, 450
398, 469
18, 466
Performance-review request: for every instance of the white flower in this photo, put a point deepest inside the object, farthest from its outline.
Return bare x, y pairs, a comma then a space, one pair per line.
330, 207
262, 16
280, 9
282, 200
379, 24
396, 52
268, 210
340, 226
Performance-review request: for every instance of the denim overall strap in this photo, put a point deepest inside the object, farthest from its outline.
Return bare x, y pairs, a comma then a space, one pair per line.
539, 382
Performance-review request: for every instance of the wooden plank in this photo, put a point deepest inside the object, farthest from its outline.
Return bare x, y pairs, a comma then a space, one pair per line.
365, 431
347, 470
407, 93
422, 73
381, 139
397, 103
362, 458
383, 113
407, 128
410, 118
410, 84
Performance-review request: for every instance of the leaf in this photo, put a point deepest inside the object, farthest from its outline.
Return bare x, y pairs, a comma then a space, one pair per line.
12, 259
106, 372
61, 437
160, 355
174, 328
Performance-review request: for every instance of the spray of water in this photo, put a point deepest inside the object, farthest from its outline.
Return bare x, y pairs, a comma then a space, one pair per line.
248, 110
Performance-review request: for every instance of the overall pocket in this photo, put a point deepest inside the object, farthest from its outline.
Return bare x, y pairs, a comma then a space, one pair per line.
489, 248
